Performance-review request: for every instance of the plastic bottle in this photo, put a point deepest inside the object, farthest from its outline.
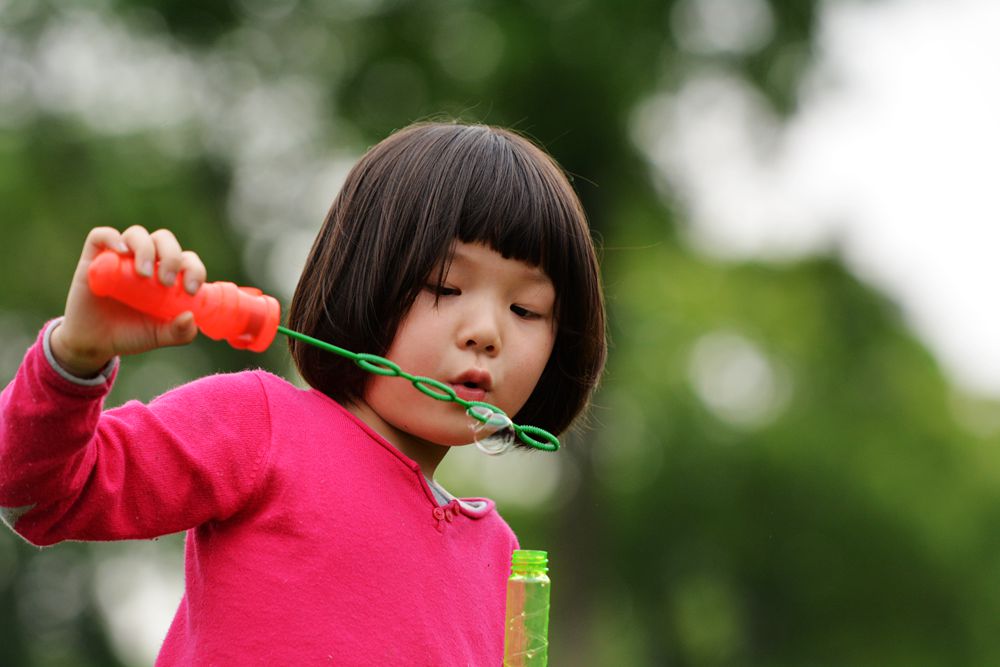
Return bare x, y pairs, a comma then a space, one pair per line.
244, 316
526, 639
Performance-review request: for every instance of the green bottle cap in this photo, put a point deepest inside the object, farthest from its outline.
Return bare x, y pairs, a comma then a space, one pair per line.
527, 560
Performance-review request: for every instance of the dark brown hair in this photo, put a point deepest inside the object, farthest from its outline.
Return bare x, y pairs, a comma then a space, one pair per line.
392, 226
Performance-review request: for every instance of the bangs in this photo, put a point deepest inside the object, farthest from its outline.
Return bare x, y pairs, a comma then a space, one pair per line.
498, 189
509, 207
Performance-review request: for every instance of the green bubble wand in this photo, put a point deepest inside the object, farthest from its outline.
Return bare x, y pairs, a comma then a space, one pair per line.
492, 420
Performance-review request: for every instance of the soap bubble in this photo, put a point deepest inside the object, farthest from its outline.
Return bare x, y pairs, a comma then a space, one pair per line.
492, 431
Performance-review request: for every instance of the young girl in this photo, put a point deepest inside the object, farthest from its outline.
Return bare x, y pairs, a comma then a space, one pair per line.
316, 534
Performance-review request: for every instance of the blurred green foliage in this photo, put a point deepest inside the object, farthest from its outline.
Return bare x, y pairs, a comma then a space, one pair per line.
833, 512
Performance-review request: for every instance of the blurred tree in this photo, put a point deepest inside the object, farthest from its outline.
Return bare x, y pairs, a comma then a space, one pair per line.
773, 476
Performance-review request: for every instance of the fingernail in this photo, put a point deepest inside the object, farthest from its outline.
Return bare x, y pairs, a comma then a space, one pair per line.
121, 247
146, 269
191, 286
168, 278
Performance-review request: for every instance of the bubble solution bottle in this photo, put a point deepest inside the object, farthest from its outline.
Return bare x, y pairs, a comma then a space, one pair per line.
526, 640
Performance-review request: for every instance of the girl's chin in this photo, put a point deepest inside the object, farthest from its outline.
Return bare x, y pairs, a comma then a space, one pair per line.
442, 437
451, 440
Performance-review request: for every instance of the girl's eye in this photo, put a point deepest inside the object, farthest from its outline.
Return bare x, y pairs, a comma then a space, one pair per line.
524, 313
441, 290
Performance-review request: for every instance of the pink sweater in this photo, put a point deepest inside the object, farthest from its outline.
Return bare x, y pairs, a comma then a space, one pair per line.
311, 540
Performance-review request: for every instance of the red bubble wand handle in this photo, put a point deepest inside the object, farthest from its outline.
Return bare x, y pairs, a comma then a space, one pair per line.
244, 317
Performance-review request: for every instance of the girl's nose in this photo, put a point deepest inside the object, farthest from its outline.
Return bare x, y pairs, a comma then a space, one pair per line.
481, 334
487, 347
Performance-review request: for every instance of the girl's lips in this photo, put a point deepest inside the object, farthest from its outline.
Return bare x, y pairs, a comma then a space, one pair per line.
469, 393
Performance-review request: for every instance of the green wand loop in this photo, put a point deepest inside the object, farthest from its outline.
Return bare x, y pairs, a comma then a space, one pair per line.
489, 416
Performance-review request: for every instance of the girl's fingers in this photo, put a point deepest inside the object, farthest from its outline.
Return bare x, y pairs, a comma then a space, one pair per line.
168, 250
194, 271
102, 238
142, 247
148, 248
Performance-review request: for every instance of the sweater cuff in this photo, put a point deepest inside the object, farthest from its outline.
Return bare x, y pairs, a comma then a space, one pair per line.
103, 376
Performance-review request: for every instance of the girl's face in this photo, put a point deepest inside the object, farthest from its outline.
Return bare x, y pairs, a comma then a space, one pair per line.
489, 336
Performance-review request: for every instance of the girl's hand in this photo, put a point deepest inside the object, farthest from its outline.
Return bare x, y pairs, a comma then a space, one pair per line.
96, 329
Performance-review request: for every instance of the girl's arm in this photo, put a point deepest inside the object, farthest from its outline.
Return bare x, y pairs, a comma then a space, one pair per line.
70, 471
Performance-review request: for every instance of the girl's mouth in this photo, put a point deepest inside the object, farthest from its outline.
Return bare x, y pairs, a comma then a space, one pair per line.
469, 391
473, 384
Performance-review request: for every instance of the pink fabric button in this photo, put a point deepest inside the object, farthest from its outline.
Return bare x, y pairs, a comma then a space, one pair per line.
438, 513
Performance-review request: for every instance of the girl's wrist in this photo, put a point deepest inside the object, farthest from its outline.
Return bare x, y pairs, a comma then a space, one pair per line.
72, 360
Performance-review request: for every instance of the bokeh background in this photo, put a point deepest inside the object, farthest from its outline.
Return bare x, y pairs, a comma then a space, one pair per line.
793, 459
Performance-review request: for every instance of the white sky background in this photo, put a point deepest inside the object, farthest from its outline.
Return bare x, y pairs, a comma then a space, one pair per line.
892, 159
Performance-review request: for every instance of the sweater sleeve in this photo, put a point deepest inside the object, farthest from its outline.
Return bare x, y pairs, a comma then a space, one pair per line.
70, 470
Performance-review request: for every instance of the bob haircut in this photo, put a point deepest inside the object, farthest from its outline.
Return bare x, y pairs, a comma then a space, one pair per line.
391, 229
